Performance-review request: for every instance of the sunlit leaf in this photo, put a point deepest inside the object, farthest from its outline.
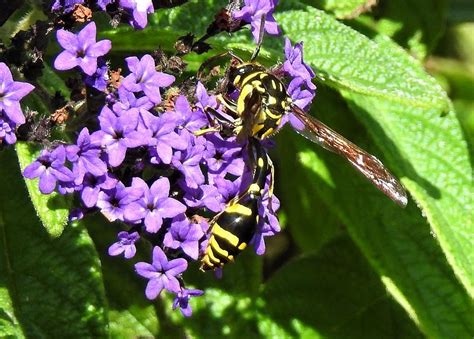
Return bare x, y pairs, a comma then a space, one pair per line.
52, 209
54, 285
334, 294
398, 243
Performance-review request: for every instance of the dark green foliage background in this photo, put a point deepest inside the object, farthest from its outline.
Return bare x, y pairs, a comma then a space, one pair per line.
349, 263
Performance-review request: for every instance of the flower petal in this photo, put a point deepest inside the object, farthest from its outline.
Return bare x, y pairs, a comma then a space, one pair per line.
154, 288
153, 222
18, 90
67, 40
176, 266
47, 182
170, 208
65, 61
146, 270
100, 48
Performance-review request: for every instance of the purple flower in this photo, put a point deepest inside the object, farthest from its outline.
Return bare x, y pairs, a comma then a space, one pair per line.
99, 79
113, 202
301, 97
161, 273
7, 130
128, 100
139, 11
125, 244
76, 214
85, 157
268, 213
186, 117
182, 300
117, 134
104, 3
188, 163
295, 65
185, 235
92, 185
65, 5
144, 77
154, 205
204, 196
226, 156
203, 99
81, 49
66, 187
11, 92
163, 138
268, 221
227, 188
50, 169
252, 13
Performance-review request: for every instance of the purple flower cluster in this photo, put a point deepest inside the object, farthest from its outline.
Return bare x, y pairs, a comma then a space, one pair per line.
253, 11
11, 115
142, 165
145, 167
65, 6
135, 12
301, 88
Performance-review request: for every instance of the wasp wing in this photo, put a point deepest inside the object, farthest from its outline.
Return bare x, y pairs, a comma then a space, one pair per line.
371, 167
249, 115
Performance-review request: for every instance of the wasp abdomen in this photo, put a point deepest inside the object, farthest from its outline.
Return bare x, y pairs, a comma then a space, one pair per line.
231, 232
233, 228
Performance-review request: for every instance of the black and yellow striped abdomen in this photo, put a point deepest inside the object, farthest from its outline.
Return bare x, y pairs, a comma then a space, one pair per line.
233, 228
231, 232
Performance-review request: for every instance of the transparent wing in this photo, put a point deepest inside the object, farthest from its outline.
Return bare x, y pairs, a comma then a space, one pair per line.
371, 167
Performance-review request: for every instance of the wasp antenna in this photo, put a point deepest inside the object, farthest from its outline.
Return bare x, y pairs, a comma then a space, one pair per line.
260, 39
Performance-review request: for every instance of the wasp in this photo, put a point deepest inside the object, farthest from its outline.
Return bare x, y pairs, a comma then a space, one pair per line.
263, 101
257, 113
232, 229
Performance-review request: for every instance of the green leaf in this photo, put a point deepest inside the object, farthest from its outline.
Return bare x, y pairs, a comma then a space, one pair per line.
417, 29
51, 82
346, 59
27, 14
401, 106
398, 243
130, 313
54, 285
461, 11
436, 172
302, 205
228, 306
437, 166
9, 327
52, 209
165, 26
337, 295
343, 9
219, 313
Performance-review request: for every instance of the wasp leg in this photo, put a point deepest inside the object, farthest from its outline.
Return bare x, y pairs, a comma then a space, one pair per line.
215, 58
228, 103
207, 131
217, 121
272, 182
262, 157
214, 115
260, 39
